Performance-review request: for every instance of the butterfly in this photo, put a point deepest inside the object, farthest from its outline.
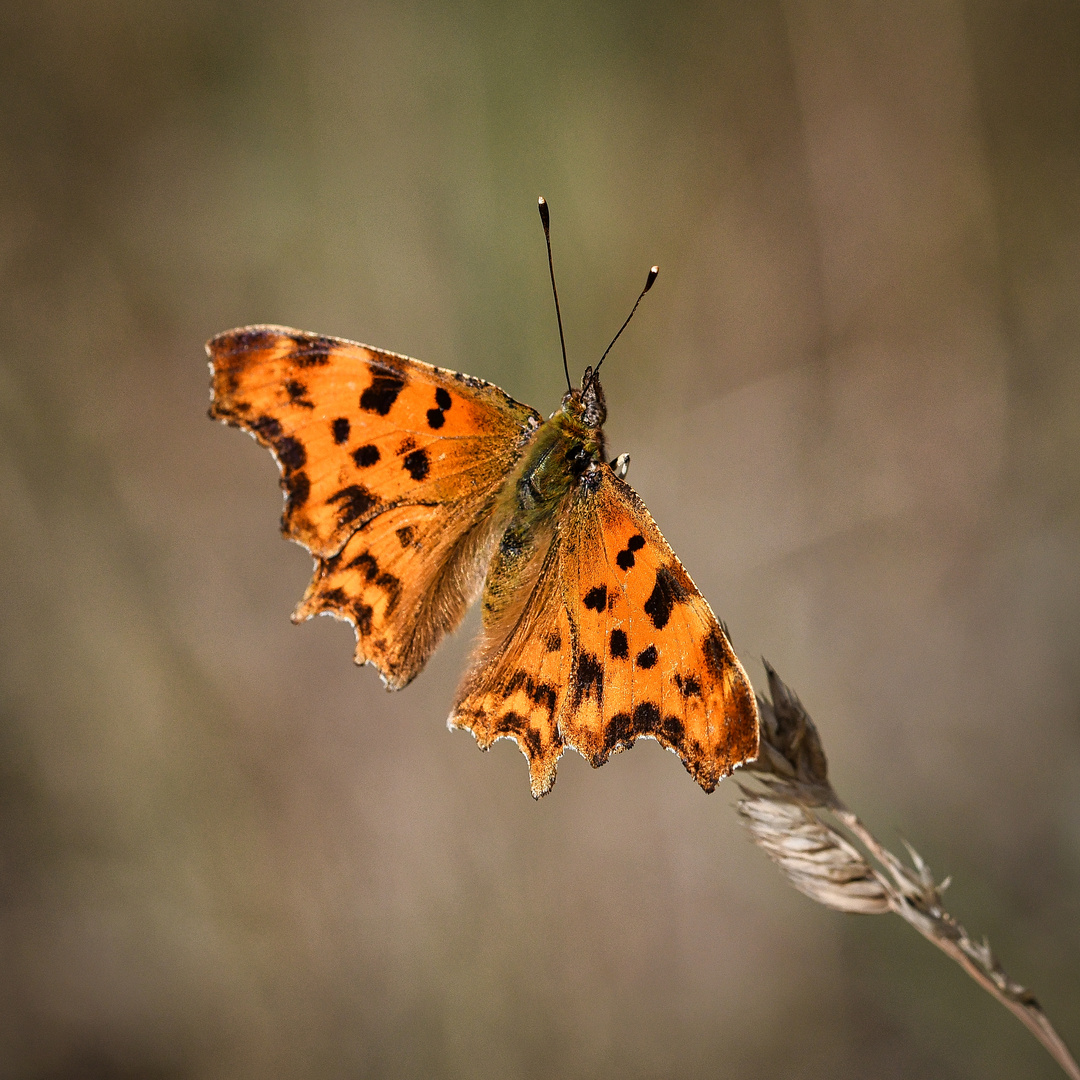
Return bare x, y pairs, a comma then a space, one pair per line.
417, 489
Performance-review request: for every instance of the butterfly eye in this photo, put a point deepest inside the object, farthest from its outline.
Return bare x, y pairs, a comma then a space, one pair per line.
579, 459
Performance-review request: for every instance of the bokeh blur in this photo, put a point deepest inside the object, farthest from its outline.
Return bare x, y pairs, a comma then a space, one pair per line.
852, 404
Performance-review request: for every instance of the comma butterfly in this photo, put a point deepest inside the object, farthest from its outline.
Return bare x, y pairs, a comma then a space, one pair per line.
416, 489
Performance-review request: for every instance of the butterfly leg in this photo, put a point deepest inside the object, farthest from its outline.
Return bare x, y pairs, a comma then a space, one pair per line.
621, 466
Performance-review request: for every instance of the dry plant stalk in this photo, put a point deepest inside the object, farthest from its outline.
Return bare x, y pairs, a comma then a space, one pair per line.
794, 814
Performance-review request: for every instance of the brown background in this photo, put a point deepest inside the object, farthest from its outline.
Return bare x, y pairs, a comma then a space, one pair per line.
853, 405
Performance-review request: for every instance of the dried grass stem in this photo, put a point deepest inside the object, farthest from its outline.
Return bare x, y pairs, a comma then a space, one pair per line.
794, 814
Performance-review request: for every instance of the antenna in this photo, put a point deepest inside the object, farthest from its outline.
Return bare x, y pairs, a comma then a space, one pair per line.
545, 218
648, 285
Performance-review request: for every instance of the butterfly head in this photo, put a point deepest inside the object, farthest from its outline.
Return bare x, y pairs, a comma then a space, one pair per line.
587, 404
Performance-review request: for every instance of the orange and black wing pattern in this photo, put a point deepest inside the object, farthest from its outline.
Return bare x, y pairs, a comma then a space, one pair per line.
615, 644
518, 689
390, 469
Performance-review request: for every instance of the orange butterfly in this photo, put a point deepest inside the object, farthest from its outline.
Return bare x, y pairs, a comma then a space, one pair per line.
407, 482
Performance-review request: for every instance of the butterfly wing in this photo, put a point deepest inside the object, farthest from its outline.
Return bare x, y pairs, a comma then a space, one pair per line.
390, 469
614, 644
518, 688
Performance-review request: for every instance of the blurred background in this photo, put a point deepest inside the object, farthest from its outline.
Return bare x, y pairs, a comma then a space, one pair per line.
852, 403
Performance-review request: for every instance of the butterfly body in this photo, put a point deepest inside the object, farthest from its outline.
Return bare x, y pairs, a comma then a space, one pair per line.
564, 447
418, 489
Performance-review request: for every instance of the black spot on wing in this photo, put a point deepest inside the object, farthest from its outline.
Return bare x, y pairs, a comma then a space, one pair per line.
354, 502
619, 732
365, 456
417, 464
405, 535
587, 679
553, 643
311, 351
619, 646
625, 558
715, 651
532, 740
596, 598
647, 657
266, 427
291, 453
443, 401
292, 457
334, 598
299, 488
672, 729
297, 392
545, 695
362, 616
231, 381
513, 723
539, 693
667, 592
380, 396
340, 428
688, 685
252, 340
367, 564
646, 718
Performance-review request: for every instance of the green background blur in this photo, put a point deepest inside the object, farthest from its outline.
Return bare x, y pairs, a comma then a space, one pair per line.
853, 406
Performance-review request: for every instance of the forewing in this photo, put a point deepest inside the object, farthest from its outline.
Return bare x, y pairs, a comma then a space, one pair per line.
650, 658
390, 469
614, 644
